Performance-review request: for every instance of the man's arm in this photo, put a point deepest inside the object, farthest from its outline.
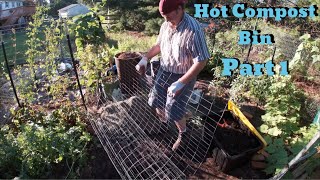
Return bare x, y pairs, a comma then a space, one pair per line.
155, 50
142, 65
193, 72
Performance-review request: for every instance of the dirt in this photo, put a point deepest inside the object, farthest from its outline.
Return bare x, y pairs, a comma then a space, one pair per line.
99, 166
313, 89
236, 143
316, 174
128, 55
208, 170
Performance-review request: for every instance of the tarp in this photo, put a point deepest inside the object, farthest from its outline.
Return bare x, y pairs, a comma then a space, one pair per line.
73, 10
316, 119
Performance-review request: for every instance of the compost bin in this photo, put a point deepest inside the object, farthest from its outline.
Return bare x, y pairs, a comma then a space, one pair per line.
235, 139
130, 81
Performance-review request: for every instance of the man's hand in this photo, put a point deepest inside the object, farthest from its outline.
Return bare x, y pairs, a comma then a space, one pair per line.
175, 88
142, 65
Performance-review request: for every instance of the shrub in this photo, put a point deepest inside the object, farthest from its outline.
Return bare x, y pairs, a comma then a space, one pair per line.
38, 141
153, 26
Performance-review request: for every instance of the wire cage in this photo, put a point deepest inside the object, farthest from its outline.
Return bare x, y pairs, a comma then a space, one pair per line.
139, 144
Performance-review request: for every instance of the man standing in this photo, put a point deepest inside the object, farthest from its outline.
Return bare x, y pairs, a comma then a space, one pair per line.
184, 53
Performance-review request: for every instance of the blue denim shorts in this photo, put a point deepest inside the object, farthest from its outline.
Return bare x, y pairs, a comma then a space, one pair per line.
175, 107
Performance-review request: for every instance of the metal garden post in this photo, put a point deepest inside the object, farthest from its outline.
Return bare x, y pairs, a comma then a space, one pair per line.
7, 65
74, 65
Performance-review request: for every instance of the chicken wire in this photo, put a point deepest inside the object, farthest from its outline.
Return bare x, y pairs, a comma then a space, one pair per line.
139, 144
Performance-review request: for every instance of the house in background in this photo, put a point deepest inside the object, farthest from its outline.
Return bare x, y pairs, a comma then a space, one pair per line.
15, 11
73, 10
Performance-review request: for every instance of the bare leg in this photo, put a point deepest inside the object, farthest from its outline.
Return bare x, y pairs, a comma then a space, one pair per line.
182, 124
182, 127
161, 115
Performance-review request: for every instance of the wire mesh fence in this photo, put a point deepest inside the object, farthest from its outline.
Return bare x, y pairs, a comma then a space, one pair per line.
140, 145
15, 43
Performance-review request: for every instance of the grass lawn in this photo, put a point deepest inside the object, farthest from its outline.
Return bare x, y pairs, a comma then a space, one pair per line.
15, 54
130, 41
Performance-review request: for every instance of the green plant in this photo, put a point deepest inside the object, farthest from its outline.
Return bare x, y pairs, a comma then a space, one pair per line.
283, 108
56, 85
134, 21
91, 47
307, 54
255, 89
35, 43
283, 150
9, 153
38, 141
94, 60
226, 43
282, 128
152, 26
88, 30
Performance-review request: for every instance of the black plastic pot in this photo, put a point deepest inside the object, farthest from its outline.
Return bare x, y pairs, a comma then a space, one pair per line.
232, 146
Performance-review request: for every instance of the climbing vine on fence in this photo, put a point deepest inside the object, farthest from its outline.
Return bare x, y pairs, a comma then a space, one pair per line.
57, 84
92, 50
94, 60
27, 76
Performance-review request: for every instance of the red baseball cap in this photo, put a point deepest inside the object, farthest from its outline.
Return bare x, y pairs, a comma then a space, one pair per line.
167, 6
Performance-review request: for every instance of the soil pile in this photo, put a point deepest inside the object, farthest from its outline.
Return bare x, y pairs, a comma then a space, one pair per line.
128, 55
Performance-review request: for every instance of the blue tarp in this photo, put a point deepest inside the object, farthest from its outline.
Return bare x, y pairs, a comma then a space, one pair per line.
316, 119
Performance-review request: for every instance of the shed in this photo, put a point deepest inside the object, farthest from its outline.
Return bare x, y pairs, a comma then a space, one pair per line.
73, 10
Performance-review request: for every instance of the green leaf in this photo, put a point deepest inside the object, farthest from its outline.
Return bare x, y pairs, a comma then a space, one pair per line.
305, 37
316, 58
300, 48
269, 170
315, 49
264, 128
278, 142
268, 139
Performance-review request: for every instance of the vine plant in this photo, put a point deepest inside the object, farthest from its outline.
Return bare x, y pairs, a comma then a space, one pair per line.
307, 55
57, 85
35, 43
36, 142
92, 50
282, 127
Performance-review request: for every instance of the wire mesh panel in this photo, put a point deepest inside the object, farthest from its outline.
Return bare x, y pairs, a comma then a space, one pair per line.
140, 145
132, 152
